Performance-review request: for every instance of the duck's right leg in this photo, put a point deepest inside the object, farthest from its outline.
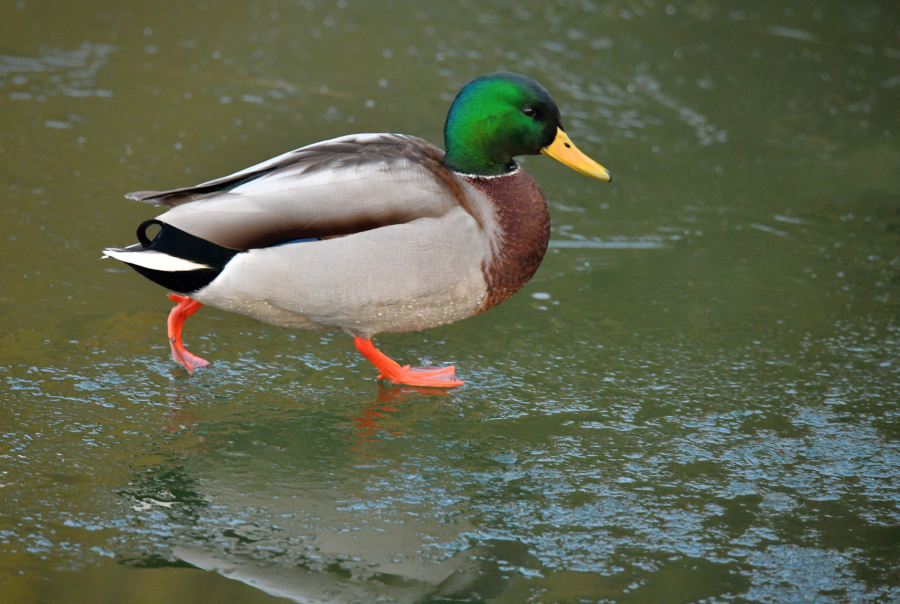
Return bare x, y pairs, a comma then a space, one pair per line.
185, 308
435, 377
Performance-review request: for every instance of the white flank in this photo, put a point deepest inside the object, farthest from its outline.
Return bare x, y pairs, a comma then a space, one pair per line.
156, 261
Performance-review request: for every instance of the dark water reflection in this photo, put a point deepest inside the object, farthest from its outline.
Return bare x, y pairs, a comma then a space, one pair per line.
694, 400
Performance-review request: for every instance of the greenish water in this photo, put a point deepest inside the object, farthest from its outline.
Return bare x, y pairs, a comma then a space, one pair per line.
695, 399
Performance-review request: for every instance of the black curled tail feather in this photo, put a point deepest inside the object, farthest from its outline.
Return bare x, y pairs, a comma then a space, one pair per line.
173, 241
146, 242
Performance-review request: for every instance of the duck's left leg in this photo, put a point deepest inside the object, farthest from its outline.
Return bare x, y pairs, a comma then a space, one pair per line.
437, 377
185, 308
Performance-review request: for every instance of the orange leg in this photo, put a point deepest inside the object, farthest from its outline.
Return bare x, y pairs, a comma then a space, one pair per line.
185, 308
436, 377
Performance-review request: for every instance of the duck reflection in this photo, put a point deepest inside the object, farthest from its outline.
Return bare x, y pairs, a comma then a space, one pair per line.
282, 503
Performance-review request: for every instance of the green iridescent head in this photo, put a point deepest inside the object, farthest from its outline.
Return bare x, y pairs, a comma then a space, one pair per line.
496, 117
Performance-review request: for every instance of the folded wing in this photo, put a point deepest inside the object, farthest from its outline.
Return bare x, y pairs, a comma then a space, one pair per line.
330, 189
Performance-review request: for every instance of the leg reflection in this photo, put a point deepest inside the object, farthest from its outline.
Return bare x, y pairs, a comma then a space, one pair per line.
376, 417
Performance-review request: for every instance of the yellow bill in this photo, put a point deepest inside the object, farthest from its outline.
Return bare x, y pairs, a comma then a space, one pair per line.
562, 149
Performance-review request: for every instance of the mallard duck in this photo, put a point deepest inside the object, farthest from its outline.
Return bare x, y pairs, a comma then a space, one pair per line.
368, 233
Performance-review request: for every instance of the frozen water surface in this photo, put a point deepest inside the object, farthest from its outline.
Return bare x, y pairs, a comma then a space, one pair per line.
695, 400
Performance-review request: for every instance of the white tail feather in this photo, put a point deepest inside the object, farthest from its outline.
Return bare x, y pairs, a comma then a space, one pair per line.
156, 261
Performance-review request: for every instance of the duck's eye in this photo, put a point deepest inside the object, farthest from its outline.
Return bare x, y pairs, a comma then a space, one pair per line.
529, 112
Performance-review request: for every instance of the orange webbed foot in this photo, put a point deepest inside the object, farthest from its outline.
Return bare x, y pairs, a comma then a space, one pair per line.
185, 308
185, 358
439, 377
435, 377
